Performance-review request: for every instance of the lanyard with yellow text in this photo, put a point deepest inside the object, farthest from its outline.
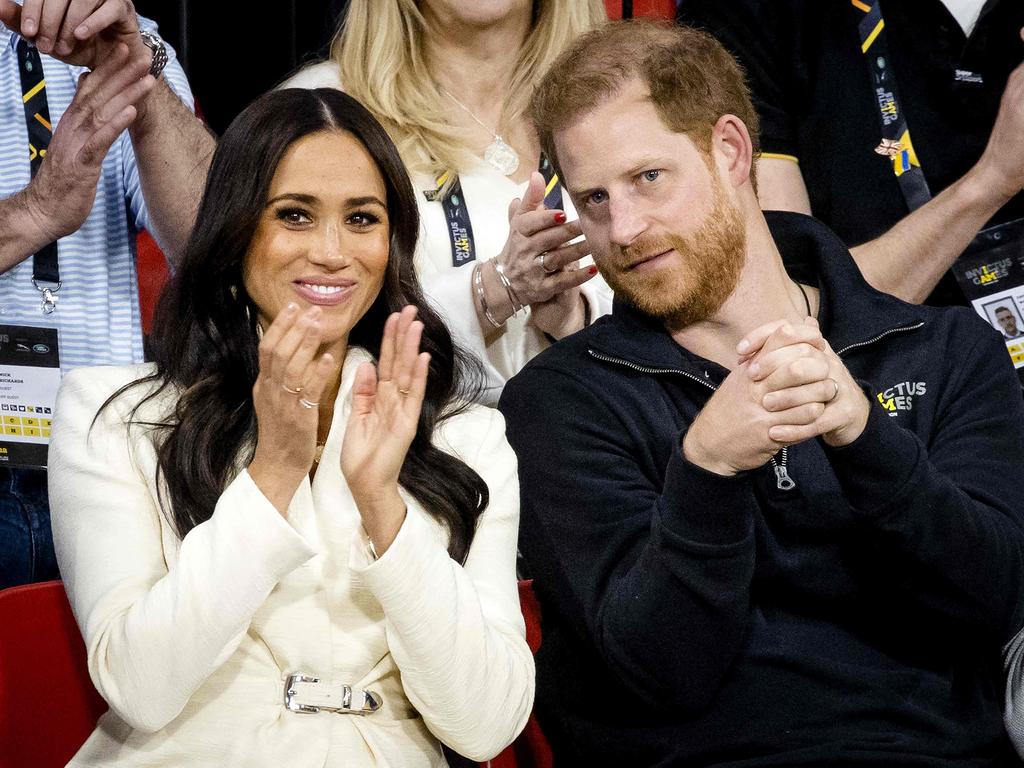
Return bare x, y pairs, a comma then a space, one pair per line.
990, 271
456, 214
895, 144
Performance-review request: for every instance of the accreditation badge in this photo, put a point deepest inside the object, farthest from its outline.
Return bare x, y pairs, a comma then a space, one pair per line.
29, 380
991, 274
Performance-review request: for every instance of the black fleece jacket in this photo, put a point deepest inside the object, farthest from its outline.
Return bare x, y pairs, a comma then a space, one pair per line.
856, 618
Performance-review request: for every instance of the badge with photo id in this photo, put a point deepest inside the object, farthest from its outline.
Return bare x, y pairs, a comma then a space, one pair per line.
991, 274
29, 380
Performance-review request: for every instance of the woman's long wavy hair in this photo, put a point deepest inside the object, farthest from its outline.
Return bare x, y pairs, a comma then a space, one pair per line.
382, 61
204, 339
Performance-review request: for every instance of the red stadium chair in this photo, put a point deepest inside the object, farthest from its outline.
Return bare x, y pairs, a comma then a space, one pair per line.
653, 9
531, 749
48, 706
153, 273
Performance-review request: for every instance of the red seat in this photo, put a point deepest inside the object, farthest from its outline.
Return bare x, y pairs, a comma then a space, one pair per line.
655, 9
151, 265
531, 749
48, 706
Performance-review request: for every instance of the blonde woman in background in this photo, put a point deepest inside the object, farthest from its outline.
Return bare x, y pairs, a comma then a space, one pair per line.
451, 80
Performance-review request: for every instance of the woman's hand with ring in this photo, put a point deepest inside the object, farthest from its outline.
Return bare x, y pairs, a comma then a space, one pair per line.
535, 231
386, 402
290, 369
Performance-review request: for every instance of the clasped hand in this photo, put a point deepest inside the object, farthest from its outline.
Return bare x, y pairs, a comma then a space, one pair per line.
788, 386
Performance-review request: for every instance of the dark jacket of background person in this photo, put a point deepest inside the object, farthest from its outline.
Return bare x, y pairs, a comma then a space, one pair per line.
813, 92
695, 619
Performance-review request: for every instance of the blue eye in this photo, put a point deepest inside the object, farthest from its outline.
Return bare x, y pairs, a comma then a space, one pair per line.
596, 198
651, 175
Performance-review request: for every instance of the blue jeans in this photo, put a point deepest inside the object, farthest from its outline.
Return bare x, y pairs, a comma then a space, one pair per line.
26, 542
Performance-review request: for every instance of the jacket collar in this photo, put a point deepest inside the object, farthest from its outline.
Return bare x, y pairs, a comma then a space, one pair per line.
851, 313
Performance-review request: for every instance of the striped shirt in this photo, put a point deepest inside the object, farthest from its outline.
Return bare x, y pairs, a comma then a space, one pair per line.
98, 304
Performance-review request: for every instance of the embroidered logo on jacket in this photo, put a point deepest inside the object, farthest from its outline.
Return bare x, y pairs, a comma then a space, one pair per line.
900, 397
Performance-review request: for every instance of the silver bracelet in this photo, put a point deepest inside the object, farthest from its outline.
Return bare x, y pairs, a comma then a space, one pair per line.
478, 283
517, 305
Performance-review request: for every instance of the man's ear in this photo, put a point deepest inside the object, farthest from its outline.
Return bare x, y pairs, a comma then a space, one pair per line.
730, 142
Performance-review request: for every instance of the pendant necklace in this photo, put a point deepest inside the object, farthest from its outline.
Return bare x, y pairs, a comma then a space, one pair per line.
499, 154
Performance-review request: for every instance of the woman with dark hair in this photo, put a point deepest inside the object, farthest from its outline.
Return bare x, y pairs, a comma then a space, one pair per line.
291, 540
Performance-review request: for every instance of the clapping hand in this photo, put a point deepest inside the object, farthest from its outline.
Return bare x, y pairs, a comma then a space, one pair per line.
78, 32
292, 379
542, 264
386, 402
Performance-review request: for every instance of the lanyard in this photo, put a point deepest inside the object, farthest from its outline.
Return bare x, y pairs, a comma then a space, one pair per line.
456, 214
896, 144
37, 121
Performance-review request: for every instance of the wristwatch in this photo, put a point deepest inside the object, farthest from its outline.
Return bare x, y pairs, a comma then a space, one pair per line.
156, 45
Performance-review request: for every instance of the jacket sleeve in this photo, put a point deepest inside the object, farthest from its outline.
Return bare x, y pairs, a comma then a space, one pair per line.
152, 635
652, 569
456, 631
948, 516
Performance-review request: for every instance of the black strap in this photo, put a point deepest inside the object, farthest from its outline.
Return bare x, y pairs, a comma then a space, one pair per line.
456, 214
37, 120
895, 144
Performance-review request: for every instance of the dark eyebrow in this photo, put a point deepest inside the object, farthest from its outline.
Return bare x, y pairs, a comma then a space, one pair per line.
307, 199
366, 200
353, 202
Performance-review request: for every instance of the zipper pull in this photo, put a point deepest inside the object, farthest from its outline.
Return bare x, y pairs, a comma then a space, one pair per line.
782, 479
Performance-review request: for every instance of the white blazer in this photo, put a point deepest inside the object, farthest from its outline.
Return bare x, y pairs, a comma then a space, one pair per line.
190, 641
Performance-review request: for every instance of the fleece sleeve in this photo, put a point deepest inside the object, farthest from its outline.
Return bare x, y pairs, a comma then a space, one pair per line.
654, 570
947, 511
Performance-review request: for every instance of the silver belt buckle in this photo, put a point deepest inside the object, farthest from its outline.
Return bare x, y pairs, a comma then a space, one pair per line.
366, 702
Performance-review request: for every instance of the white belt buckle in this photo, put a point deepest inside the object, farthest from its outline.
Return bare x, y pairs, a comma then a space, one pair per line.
366, 702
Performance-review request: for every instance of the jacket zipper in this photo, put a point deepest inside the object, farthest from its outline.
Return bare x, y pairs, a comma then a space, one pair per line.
882, 335
783, 481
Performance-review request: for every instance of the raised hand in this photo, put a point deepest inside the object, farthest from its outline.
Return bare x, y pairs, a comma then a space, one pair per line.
1002, 162
61, 195
386, 402
287, 392
78, 32
538, 259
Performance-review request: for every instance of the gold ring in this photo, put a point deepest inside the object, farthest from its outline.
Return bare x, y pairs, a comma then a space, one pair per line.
403, 392
290, 391
307, 403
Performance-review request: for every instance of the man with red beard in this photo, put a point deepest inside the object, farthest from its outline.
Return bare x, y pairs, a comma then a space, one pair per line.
773, 515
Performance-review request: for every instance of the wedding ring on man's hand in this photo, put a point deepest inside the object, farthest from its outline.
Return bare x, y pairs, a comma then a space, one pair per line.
403, 392
836, 393
545, 266
306, 403
290, 391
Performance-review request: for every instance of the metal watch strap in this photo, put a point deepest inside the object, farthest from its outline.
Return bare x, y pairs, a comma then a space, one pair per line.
156, 45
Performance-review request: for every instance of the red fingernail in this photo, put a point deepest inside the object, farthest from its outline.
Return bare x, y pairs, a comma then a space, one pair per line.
591, 270
560, 217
